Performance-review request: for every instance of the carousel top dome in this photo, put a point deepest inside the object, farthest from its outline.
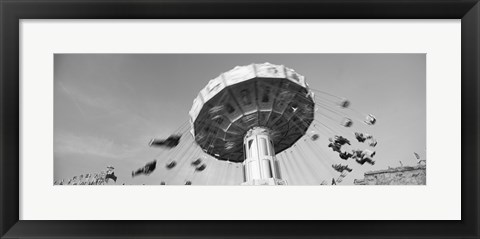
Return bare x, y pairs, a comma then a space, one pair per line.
258, 95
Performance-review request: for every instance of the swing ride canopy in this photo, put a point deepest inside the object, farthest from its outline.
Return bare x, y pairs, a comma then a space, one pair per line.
257, 95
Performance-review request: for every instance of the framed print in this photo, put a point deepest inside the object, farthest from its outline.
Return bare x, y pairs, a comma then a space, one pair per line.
282, 118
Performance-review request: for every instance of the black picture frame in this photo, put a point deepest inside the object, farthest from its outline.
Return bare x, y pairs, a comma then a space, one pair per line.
12, 11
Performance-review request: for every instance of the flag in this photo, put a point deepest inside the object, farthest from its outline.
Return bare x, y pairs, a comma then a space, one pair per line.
416, 155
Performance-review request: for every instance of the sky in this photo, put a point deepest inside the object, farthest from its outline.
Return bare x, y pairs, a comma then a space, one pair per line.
107, 107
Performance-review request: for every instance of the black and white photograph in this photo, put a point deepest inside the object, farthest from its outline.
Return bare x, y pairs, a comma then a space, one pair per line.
239, 119
245, 119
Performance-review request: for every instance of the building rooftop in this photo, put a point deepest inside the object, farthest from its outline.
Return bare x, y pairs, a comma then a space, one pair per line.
397, 169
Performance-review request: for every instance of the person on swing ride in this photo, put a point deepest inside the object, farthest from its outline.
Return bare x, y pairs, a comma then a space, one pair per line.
345, 155
347, 122
171, 165
341, 140
370, 120
171, 142
147, 169
344, 103
357, 154
197, 162
373, 143
201, 167
335, 147
366, 157
314, 137
360, 137
340, 168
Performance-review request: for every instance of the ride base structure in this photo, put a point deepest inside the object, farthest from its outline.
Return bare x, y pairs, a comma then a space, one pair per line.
260, 166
